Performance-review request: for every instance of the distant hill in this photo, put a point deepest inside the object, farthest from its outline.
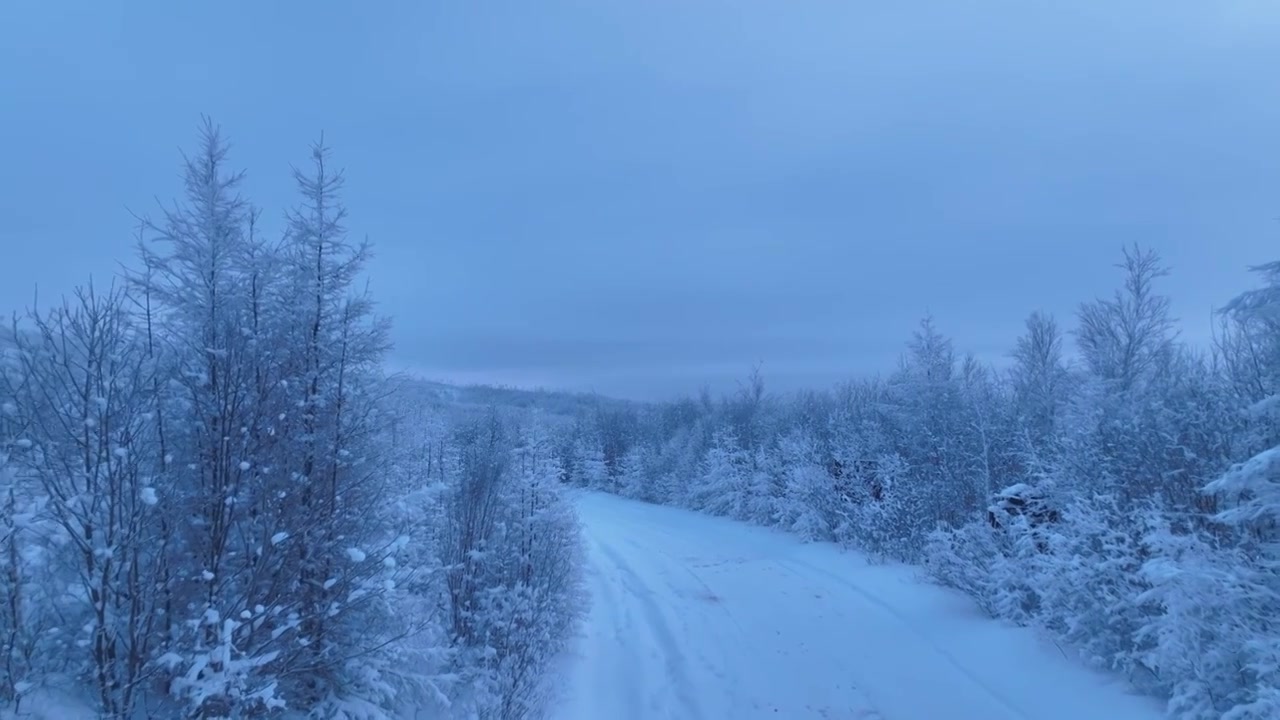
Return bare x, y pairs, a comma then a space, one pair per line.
439, 395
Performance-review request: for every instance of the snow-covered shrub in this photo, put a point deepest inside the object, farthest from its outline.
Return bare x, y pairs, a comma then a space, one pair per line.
1101, 536
720, 486
995, 564
1090, 586
637, 475
590, 469
1212, 638
809, 506
891, 519
512, 556
965, 558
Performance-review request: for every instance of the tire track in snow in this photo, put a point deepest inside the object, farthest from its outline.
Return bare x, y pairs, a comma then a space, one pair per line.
908, 627
706, 619
804, 570
611, 625
710, 595
739, 700
672, 655
711, 649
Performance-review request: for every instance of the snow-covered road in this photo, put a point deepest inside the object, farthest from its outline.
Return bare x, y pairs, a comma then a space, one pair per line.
699, 617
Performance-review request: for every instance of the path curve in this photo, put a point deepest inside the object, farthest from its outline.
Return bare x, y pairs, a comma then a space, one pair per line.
701, 618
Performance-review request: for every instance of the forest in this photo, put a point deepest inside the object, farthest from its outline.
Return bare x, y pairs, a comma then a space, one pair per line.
215, 501
1112, 486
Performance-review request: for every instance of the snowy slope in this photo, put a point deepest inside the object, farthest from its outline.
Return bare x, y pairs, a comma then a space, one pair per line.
700, 617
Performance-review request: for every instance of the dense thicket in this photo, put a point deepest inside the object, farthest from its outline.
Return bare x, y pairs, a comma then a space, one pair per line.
215, 505
1116, 488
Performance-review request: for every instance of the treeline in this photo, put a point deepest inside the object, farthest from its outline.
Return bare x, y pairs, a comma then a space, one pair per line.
1123, 498
213, 504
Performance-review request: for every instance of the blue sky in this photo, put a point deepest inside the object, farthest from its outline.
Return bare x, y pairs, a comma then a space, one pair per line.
643, 197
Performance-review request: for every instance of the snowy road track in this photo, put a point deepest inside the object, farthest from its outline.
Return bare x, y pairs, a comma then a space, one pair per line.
700, 618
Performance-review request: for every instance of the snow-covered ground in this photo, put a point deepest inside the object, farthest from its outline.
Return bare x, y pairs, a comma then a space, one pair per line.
56, 702
700, 617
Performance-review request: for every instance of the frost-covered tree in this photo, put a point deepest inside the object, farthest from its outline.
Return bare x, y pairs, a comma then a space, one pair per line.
532, 608
810, 505
214, 504
1249, 494
33, 602
510, 544
721, 485
1040, 383
271, 424
1252, 489
1210, 636
933, 438
329, 382
82, 398
1123, 503
1123, 339
591, 469
888, 521
636, 475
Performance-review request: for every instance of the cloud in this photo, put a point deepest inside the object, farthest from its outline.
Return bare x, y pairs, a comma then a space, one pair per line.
648, 196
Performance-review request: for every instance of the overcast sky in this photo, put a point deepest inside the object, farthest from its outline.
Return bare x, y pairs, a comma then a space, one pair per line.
642, 197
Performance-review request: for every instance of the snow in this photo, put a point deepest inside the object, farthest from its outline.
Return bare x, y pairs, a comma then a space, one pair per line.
355, 554
700, 617
1016, 490
208, 576
148, 495
244, 465
48, 703
279, 537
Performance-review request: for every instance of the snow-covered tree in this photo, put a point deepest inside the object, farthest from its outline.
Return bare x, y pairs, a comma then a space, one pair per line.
810, 505
1249, 496
636, 475
1040, 384
591, 469
721, 485
511, 550
82, 398
1211, 633
1122, 503
1124, 338
214, 504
